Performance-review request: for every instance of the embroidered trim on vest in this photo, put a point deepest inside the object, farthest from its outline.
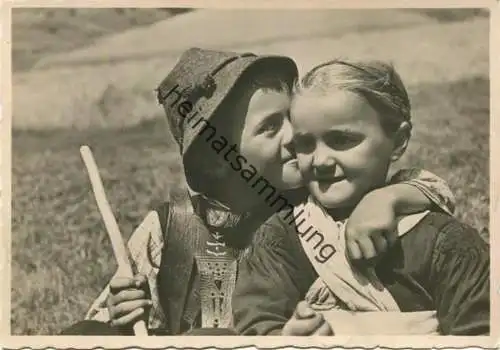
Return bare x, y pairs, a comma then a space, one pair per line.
217, 281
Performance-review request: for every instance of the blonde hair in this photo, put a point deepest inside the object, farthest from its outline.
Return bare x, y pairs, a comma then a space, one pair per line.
377, 81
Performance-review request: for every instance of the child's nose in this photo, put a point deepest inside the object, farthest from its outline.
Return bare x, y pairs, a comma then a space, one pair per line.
322, 159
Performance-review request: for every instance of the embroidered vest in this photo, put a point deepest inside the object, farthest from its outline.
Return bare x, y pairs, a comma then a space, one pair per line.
197, 271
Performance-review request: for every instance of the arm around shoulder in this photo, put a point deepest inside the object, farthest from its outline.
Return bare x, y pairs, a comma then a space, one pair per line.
431, 186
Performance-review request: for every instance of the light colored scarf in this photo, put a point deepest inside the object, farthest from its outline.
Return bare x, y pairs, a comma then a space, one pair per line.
354, 302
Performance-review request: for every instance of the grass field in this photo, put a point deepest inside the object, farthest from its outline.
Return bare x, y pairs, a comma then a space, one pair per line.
61, 256
45, 31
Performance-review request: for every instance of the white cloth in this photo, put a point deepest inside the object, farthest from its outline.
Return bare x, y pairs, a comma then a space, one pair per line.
145, 248
340, 283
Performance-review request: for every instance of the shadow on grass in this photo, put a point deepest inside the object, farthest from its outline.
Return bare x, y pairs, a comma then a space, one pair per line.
454, 15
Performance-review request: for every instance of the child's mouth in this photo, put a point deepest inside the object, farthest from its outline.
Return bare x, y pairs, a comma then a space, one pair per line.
328, 180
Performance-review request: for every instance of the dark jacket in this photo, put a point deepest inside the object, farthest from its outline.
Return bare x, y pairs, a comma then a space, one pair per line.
440, 264
181, 300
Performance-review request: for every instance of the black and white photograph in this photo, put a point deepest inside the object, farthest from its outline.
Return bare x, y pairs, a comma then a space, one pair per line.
215, 171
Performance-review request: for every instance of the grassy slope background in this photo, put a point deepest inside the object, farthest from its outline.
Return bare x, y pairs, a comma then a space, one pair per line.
39, 33
61, 253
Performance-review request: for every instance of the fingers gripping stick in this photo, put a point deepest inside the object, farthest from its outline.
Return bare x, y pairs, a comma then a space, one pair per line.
119, 248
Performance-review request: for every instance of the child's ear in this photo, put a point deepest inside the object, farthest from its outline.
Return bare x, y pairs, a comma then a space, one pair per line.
401, 139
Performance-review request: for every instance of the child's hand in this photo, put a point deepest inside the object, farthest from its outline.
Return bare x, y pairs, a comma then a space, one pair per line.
305, 321
128, 300
372, 226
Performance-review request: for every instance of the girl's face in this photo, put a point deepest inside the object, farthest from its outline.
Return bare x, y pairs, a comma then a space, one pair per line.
342, 150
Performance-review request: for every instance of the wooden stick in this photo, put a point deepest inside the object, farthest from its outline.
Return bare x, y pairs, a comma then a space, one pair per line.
119, 248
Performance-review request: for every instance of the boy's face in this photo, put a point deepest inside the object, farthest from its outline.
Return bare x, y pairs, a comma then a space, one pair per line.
263, 134
342, 150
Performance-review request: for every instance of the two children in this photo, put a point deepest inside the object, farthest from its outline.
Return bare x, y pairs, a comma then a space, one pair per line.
229, 114
351, 120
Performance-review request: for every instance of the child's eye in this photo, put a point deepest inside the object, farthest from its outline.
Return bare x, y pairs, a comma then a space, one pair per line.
272, 124
303, 143
343, 141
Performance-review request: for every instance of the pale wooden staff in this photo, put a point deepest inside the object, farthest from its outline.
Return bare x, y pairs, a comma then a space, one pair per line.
119, 248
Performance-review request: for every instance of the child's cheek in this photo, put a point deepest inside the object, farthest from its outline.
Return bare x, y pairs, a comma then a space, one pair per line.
365, 160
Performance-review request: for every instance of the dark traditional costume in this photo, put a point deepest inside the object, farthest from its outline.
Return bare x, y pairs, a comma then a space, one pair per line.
439, 265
